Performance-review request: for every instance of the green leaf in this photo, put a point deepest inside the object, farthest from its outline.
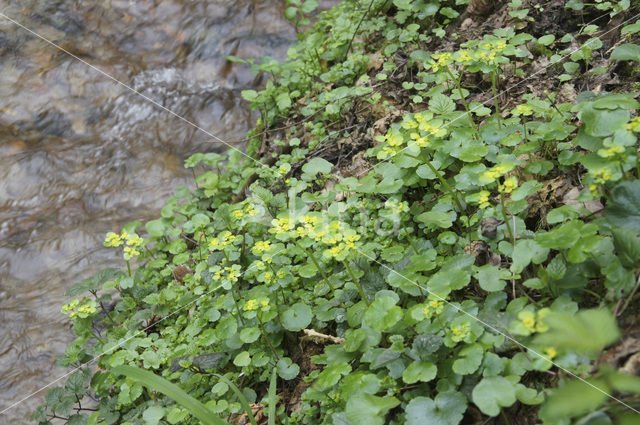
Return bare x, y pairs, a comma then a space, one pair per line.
367, 409
616, 101
545, 40
627, 244
490, 278
153, 414
159, 384
156, 228
248, 335
525, 252
283, 101
573, 399
308, 270
317, 165
626, 52
493, 393
331, 374
602, 122
309, 6
420, 370
586, 332
297, 317
624, 208
469, 360
383, 313
441, 104
447, 409
445, 281
242, 359
287, 369
436, 218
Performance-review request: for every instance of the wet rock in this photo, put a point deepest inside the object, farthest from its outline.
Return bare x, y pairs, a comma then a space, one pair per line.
53, 123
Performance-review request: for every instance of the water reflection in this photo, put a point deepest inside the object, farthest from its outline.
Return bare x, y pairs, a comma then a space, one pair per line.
80, 155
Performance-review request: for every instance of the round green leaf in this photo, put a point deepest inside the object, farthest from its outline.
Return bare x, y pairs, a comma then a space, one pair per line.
242, 359
421, 370
249, 335
297, 317
383, 313
447, 409
492, 393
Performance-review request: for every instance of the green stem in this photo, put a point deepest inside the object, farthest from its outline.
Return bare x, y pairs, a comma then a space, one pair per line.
235, 301
313, 258
506, 219
356, 282
495, 99
464, 103
129, 267
265, 335
445, 184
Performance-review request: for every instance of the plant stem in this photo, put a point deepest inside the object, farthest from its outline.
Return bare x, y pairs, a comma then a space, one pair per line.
464, 103
630, 297
495, 98
313, 258
356, 282
265, 335
445, 184
506, 219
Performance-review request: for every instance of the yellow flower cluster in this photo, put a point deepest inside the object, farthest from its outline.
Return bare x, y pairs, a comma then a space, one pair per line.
601, 176
481, 198
634, 125
533, 322
232, 273
397, 207
254, 304
510, 183
131, 241
441, 61
524, 110
496, 171
550, 352
460, 332
343, 242
260, 247
74, 308
223, 240
609, 152
433, 307
240, 213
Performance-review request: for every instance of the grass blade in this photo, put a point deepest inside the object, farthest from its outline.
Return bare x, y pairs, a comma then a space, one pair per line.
177, 394
273, 398
243, 400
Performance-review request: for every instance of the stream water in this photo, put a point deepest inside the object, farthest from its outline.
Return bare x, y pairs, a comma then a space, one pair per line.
81, 155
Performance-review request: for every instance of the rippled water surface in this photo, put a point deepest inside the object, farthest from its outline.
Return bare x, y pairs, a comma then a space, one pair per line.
81, 155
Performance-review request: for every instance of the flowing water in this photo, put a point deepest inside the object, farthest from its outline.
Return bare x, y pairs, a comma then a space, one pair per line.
81, 155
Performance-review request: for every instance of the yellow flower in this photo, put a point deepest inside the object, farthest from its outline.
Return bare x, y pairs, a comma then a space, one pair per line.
420, 141
395, 139
551, 352
264, 302
612, 151
130, 252
260, 247
460, 332
250, 210
112, 240
251, 305
280, 225
634, 125
283, 170
510, 183
522, 110
134, 240
237, 214
260, 265
409, 123
437, 306
464, 56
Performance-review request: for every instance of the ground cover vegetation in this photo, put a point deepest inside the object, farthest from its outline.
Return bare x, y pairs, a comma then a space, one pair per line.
436, 222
